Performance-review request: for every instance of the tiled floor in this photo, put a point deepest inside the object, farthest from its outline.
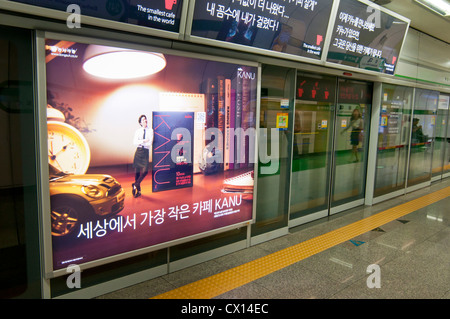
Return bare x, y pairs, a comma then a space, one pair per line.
413, 252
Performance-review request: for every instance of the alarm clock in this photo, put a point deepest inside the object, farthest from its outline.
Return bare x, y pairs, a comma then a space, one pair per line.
68, 149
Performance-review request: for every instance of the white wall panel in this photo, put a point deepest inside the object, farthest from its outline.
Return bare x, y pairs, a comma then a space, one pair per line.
425, 59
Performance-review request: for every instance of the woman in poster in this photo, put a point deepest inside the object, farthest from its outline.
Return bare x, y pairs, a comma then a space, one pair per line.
143, 139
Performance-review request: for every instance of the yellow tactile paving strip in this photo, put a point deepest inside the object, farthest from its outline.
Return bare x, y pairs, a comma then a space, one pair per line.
235, 277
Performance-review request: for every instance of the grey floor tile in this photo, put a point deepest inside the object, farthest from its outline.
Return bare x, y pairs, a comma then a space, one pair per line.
337, 263
367, 236
357, 290
305, 234
431, 252
241, 257
412, 277
396, 285
406, 236
391, 225
191, 274
442, 237
298, 282
435, 217
143, 290
446, 295
276, 244
375, 253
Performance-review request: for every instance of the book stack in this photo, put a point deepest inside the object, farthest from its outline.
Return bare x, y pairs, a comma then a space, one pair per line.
188, 102
231, 105
240, 185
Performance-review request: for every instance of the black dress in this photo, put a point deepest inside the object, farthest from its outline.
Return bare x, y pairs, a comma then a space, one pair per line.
141, 157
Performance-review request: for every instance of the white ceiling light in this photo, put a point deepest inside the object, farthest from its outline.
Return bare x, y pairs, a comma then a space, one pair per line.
117, 63
441, 7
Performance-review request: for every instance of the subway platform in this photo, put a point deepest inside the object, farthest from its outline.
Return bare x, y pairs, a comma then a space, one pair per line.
397, 249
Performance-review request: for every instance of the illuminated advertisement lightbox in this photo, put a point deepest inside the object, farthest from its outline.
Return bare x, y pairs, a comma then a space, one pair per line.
289, 26
366, 37
160, 14
144, 148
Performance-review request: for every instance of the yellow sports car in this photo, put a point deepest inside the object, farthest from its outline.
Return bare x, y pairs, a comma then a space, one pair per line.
76, 199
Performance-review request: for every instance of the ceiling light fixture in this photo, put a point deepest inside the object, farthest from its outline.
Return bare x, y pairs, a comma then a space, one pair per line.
441, 7
121, 64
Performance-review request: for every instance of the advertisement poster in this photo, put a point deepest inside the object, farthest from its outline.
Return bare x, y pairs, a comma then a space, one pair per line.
160, 14
293, 27
366, 38
144, 148
282, 121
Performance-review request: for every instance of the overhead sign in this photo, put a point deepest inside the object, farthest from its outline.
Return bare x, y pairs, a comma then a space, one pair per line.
443, 102
289, 26
316, 89
162, 15
366, 37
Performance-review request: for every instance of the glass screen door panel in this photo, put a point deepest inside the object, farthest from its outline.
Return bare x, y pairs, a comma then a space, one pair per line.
277, 86
393, 139
422, 136
446, 168
353, 111
313, 132
440, 141
20, 220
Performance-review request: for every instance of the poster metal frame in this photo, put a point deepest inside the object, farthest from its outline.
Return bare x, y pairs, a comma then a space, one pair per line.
376, 7
99, 22
243, 48
41, 36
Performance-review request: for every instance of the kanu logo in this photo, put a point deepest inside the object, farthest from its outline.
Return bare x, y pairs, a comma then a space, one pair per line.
245, 74
55, 49
67, 52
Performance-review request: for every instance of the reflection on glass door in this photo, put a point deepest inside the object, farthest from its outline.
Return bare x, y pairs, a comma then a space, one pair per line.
440, 142
313, 132
331, 122
393, 139
277, 85
446, 165
354, 102
422, 136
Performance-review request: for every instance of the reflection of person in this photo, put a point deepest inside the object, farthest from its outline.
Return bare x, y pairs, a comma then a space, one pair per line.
241, 33
356, 125
417, 133
143, 139
281, 41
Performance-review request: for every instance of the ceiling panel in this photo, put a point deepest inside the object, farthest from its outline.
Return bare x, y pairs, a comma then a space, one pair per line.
421, 18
